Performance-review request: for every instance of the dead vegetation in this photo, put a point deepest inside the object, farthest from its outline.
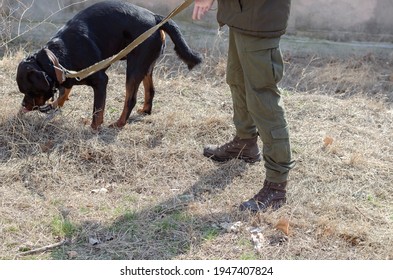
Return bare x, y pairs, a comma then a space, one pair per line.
146, 191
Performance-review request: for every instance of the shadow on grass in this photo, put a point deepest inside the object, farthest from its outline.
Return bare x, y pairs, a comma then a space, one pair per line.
164, 231
168, 229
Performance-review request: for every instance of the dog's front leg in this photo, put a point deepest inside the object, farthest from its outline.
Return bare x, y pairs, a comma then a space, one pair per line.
99, 88
63, 97
98, 110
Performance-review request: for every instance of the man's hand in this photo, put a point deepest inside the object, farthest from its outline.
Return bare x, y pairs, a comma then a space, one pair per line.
200, 8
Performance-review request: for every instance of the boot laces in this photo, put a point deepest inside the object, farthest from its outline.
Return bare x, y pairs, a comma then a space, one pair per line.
262, 193
268, 195
229, 145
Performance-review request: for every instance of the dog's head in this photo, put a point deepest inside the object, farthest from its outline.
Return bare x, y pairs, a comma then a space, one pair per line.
34, 82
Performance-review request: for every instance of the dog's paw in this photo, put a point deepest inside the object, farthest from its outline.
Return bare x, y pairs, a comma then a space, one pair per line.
95, 129
117, 125
143, 112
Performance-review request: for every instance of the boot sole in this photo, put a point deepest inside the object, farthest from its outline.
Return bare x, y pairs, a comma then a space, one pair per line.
254, 207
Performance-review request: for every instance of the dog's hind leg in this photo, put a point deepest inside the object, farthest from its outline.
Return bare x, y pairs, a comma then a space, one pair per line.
149, 94
140, 64
132, 86
159, 44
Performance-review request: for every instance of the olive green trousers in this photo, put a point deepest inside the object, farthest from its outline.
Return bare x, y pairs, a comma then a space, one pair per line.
254, 68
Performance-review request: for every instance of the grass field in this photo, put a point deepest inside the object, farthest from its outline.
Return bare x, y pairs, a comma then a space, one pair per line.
147, 192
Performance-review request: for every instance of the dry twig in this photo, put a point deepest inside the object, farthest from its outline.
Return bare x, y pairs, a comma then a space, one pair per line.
44, 248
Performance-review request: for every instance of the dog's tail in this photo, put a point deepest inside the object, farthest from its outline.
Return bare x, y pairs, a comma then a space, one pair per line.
190, 57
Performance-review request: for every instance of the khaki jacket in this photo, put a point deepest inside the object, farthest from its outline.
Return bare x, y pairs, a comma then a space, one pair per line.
262, 18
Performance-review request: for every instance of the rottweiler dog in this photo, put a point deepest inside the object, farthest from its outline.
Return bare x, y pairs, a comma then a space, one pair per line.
94, 34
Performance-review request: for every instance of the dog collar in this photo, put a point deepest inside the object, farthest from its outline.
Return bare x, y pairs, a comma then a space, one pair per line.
59, 70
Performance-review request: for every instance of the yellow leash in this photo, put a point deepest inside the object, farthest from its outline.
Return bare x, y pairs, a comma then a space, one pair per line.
82, 74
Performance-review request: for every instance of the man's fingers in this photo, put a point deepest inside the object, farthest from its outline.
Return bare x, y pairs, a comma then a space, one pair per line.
195, 13
199, 12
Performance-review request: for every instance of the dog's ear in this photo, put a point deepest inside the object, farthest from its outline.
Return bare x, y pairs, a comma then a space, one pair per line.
39, 80
42, 57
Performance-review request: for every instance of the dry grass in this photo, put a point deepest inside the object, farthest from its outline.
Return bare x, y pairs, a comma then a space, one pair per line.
146, 191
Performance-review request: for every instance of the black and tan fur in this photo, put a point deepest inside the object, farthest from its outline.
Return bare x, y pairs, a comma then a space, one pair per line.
96, 33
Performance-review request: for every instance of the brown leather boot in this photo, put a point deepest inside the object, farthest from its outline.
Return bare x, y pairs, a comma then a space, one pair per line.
271, 195
245, 149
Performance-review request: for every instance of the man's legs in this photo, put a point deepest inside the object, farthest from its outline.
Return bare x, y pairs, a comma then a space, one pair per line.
263, 67
254, 68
